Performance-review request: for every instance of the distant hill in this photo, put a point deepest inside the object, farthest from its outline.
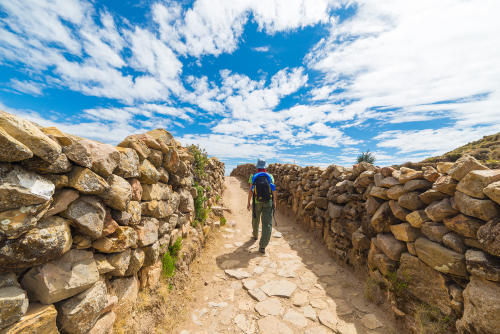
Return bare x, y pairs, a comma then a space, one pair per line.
486, 149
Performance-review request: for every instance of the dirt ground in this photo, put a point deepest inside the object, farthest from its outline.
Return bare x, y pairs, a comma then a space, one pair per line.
296, 287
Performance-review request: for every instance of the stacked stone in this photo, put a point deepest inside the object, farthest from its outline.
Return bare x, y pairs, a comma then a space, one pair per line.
83, 224
437, 229
244, 171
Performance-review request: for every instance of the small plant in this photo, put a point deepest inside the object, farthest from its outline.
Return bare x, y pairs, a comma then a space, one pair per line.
429, 319
217, 198
223, 221
200, 161
366, 157
373, 291
397, 285
201, 212
169, 259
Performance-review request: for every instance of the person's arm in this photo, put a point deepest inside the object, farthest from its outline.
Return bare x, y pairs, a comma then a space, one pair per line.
250, 194
274, 198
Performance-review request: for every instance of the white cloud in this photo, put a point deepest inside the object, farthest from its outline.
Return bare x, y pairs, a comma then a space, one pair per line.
261, 49
29, 87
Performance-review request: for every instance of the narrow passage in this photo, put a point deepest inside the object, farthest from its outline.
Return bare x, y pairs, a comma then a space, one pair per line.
295, 288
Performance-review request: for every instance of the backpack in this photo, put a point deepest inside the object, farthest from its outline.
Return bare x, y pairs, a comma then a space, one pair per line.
262, 188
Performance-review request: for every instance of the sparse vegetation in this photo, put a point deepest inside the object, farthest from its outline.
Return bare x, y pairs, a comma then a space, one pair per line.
170, 257
397, 284
223, 221
429, 319
373, 291
201, 212
217, 198
200, 161
366, 157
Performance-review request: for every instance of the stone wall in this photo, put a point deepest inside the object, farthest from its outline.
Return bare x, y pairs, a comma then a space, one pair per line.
83, 224
429, 234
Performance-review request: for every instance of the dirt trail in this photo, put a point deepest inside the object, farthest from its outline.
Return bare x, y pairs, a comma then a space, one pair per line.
295, 288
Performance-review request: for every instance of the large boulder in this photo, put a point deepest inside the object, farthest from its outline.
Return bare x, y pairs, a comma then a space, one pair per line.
488, 236
480, 208
39, 319
87, 214
124, 237
424, 283
13, 305
483, 265
481, 307
493, 191
475, 181
19, 187
148, 174
437, 211
30, 136
147, 231
48, 240
445, 184
417, 185
156, 191
390, 246
463, 166
12, 149
128, 166
74, 272
119, 193
440, 258
16, 222
100, 158
86, 181
463, 225
411, 201
78, 314
408, 174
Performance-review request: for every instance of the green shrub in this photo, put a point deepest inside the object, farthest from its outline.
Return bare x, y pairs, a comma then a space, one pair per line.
429, 319
217, 198
169, 259
223, 221
373, 291
367, 157
200, 212
200, 161
175, 249
398, 285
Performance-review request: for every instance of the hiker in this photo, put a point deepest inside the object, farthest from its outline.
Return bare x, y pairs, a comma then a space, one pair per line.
263, 192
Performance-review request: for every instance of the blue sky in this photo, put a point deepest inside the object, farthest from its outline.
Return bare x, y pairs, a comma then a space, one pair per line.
313, 82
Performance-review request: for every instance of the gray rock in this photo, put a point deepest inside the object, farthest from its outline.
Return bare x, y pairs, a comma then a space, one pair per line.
434, 231
280, 288
147, 231
136, 261
440, 258
120, 261
488, 236
390, 246
411, 201
483, 265
454, 242
480, 208
13, 305
15, 222
119, 193
437, 211
87, 215
65, 277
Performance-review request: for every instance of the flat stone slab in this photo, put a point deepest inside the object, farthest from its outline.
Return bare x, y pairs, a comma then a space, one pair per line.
272, 325
295, 318
328, 318
309, 313
237, 273
281, 288
257, 294
270, 306
370, 321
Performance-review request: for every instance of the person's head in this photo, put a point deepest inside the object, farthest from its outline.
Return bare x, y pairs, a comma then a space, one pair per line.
261, 165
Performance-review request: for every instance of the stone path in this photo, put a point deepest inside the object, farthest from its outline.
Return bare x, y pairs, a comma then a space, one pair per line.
295, 288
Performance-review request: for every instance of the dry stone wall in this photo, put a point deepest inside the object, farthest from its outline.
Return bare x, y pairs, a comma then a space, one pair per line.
430, 234
83, 224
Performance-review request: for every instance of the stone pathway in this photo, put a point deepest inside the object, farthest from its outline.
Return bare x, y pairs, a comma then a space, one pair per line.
294, 288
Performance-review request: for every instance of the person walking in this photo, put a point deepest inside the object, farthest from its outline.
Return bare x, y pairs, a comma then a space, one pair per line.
263, 193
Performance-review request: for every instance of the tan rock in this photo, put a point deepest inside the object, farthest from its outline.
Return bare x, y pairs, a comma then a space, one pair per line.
411, 201
62, 199
445, 184
405, 232
424, 283
390, 246
280, 288
103, 265
109, 225
87, 182
126, 289
488, 236
148, 173
493, 191
171, 160
379, 192
463, 225
100, 158
78, 314
430, 173
463, 166
444, 167
136, 261
13, 305
156, 158
19, 188
31, 136
150, 275
382, 218
135, 142
434, 231
430, 196
60, 279
163, 137
408, 174
134, 209
124, 237
417, 218
395, 192
475, 181
483, 265
164, 177
397, 210
128, 166
39, 319
270, 306
48, 240
57, 135
437, 211
59, 181
87, 214
186, 202
147, 231
440, 258
480, 208
16, 222
271, 324
104, 324
157, 191
157, 209
417, 184
119, 193
454, 241
81, 241
120, 261
481, 307
60, 165
136, 189
12, 149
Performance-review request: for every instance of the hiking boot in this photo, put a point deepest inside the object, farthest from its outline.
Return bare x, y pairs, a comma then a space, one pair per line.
255, 238
262, 250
